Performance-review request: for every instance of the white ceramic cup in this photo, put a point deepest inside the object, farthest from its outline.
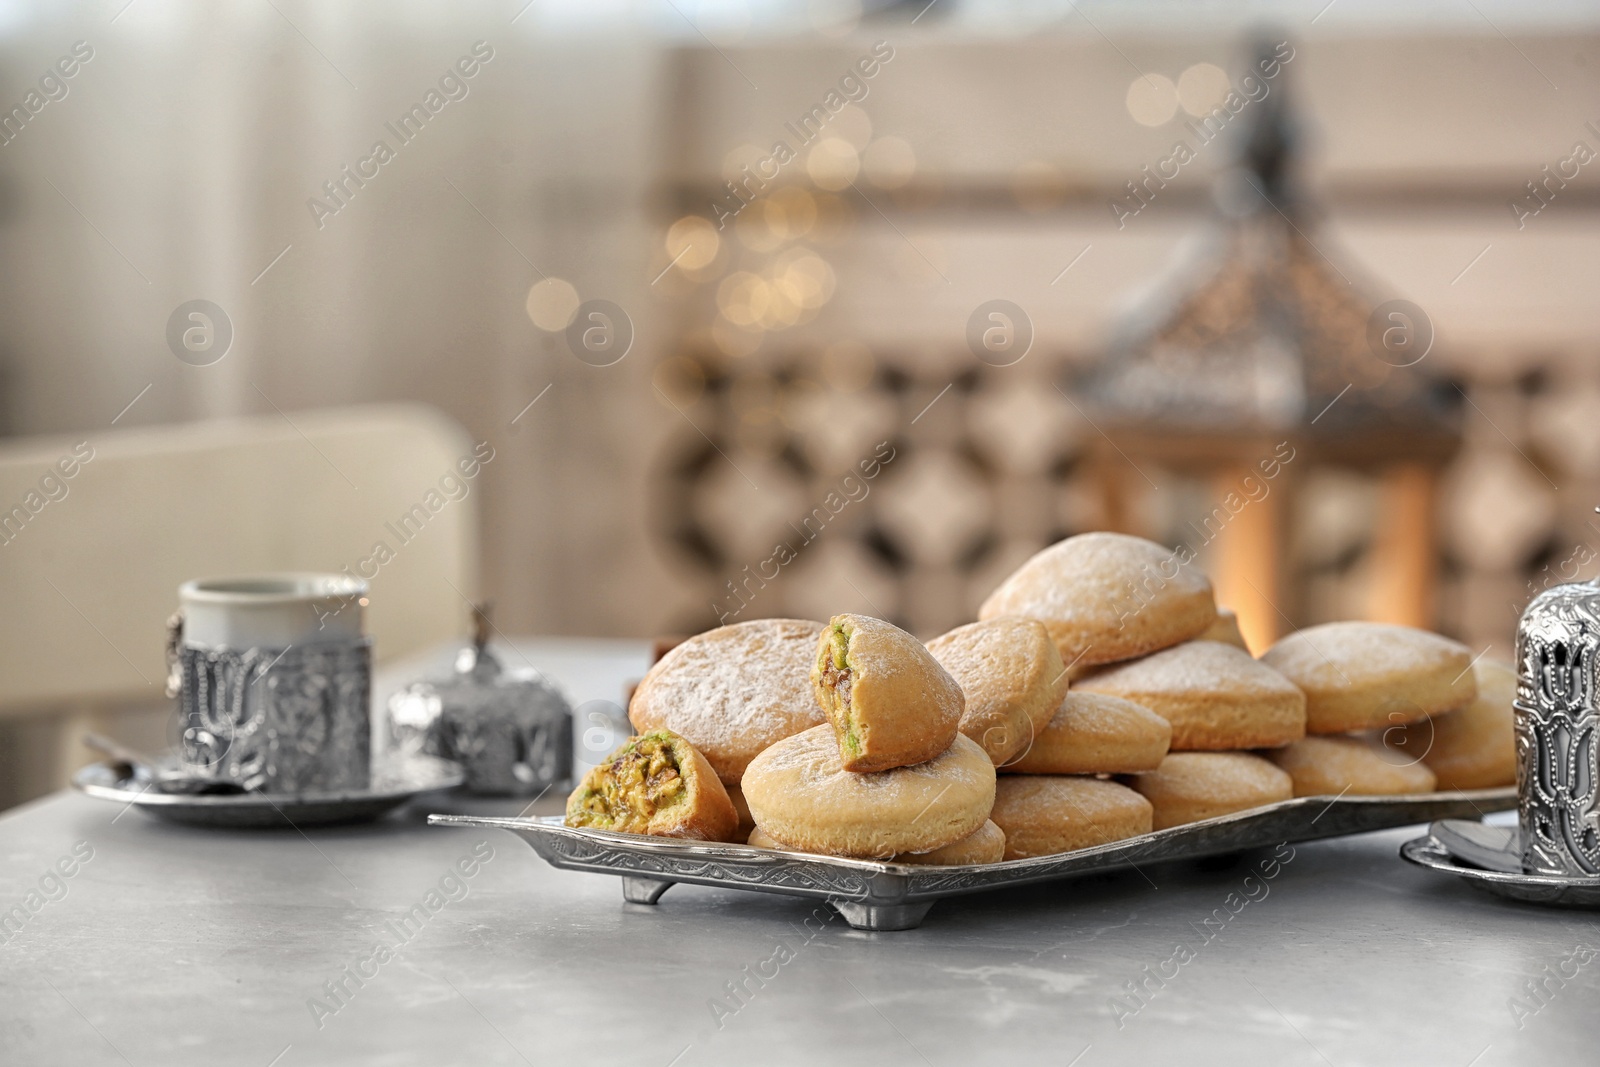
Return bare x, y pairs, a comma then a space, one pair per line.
272, 610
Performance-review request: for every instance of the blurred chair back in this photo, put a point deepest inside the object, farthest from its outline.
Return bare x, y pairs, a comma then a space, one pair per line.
97, 530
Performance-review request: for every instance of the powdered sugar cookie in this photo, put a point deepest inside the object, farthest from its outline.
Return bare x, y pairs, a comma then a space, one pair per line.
1012, 677
1214, 695
1361, 766
1473, 747
800, 794
1096, 733
1046, 814
733, 691
890, 703
1191, 786
1366, 675
1106, 597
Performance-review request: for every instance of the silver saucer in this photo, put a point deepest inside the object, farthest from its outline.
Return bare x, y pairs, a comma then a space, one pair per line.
1432, 852
395, 780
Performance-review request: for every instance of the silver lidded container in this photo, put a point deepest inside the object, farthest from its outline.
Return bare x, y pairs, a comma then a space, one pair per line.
1558, 678
510, 729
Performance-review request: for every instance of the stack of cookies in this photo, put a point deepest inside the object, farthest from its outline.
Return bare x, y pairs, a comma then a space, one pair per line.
890, 775
732, 692
1102, 684
840, 739
1049, 744
1393, 709
1141, 634
727, 695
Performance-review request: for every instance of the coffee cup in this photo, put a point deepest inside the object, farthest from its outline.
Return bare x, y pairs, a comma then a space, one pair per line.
1558, 732
273, 679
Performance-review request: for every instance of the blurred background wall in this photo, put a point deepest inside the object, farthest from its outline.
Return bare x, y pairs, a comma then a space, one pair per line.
190, 153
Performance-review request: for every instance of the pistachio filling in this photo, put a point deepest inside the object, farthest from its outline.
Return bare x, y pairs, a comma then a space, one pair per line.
837, 678
640, 781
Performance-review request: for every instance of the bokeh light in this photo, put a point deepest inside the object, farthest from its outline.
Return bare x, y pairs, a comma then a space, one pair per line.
692, 242
833, 163
762, 226
1202, 87
1152, 99
799, 209
552, 303
852, 126
804, 278
743, 297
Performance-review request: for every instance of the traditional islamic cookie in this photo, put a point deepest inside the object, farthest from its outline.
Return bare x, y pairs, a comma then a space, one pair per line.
1367, 675
1474, 747
759, 838
1215, 696
985, 845
1226, 630
1190, 786
732, 691
656, 784
1106, 597
746, 823
801, 795
1012, 677
890, 703
1045, 815
1095, 733
1333, 766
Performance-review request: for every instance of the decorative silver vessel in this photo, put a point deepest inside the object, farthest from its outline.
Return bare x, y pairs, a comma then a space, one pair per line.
278, 720
273, 675
511, 730
1558, 655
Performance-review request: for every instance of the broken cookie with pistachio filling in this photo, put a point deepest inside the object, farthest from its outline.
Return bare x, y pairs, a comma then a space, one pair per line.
655, 784
888, 700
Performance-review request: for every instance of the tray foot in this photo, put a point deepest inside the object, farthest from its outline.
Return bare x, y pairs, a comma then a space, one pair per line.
643, 890
883, 917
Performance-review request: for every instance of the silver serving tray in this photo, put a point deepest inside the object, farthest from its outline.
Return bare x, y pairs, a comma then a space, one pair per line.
395, 780
1428, 851
873, 895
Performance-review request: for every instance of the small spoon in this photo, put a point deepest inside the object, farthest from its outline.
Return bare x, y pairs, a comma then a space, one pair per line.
1494, 848
137, 765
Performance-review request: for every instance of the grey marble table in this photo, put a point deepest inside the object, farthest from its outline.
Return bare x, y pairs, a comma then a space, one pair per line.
396, 943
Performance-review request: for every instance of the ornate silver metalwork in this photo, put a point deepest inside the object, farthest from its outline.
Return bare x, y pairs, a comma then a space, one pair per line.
511, 730
1558, 654
874, 895
280, 721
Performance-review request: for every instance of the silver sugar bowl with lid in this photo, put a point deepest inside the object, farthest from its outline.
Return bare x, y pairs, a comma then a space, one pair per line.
509, 728
1558, 677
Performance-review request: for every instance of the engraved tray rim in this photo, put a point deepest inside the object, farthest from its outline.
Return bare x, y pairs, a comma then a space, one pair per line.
883, 884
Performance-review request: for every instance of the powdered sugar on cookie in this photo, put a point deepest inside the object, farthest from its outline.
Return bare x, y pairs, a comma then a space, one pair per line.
733, 691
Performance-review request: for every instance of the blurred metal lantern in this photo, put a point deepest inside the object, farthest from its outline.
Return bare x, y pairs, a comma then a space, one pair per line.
1259, 350
510, 729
